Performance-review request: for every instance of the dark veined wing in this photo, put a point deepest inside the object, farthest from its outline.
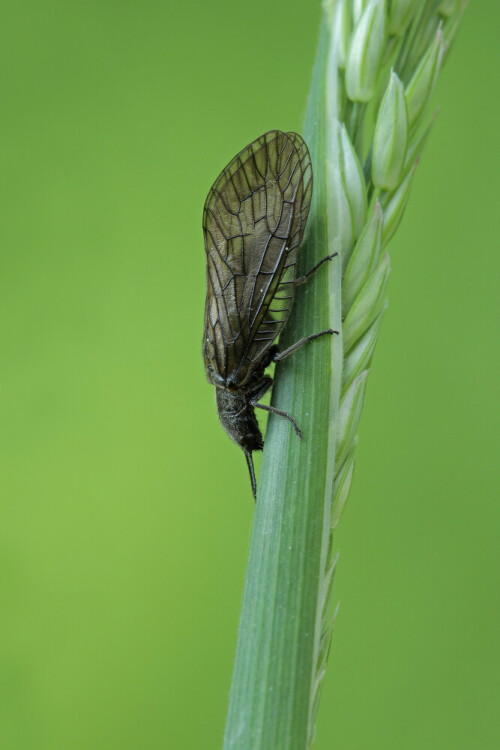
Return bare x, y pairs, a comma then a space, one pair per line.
253, 221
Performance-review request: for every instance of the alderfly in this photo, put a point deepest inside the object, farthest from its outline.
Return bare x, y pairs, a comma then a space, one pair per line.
253, 222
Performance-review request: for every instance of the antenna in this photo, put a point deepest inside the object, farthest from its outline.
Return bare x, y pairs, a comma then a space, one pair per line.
248, 456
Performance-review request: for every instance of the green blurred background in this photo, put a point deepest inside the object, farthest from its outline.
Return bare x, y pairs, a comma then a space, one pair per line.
125, 510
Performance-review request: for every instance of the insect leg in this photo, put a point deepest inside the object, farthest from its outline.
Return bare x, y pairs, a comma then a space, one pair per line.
291, 349
248, 456
304, 278
281, 413
260, 389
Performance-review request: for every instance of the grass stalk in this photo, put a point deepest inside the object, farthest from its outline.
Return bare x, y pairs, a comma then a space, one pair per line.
287, 620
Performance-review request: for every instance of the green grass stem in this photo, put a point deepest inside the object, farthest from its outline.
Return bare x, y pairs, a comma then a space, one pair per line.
287, 620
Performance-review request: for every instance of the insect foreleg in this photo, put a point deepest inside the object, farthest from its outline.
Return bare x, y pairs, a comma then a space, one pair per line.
313, 270
281, 413
298, 344
260, 389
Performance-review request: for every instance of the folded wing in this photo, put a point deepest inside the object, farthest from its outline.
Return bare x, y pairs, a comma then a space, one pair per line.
253, 222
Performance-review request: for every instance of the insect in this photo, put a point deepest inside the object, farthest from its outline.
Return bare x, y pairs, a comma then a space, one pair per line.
253, 223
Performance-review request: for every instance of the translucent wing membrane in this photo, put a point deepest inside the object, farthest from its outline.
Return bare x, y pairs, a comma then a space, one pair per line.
253, 221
